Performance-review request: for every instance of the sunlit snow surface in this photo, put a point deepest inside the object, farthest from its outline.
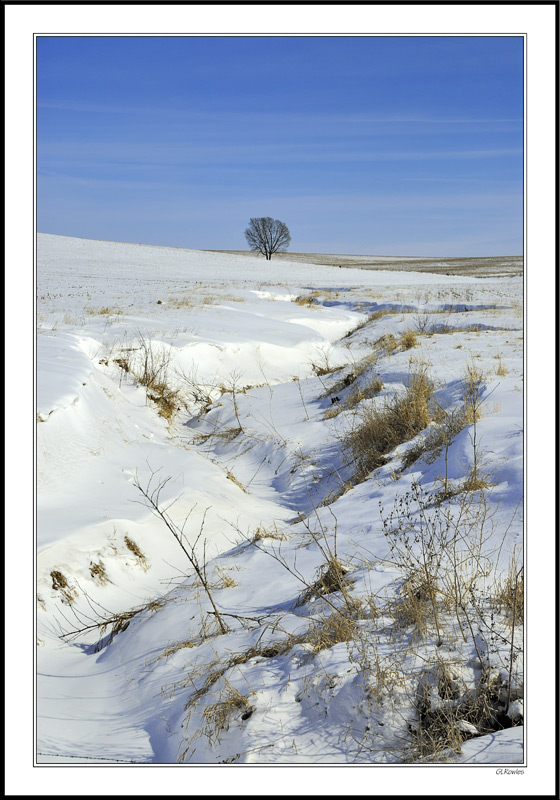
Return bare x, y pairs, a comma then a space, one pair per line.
250, 448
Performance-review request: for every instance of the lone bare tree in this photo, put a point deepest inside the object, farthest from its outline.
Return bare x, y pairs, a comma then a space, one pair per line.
267, 236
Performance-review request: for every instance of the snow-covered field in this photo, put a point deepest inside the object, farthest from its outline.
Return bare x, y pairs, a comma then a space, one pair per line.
207, 413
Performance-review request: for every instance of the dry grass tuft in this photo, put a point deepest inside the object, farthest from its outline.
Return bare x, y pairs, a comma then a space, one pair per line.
386, 343
120, 622
148, 366
408, 340
475, 482
366, 392
60, 584
224, 581
122, 362
437, 736
171, 649
382, 312
266, 533
181, 302
217, 717
98, 572
337, 627
321, 365
472, 392
135, 550
359, 393
191, 301
306, 300
509, 594
58, 580
166, 400
104, 311
333, 411
230, 476
414, 605
330, 579
335, 494
226, 435
380, 429
501, 370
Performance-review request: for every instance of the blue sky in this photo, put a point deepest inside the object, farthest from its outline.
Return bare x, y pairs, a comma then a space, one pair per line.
374, 145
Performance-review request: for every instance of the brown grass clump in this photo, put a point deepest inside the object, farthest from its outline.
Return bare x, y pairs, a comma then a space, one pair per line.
475, 482
408, 340
192, 301
217, 717
230, 476
509, 595
58, 580
386, 343
120, 622
321, 365
306, 300
473, 383
501, 370
98, 572
135, 550
449, 424
122, 362
381, 429
335, 494
105, 311
414, 606
186, 301
337, 627
224, 581
437, 736
171, 649
333, 411
371, 389
382, 312
226, 435
330, 579
60, 584
166, 400
267, 533
149, 366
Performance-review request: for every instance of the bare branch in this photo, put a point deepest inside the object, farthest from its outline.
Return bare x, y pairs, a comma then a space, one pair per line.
267, 236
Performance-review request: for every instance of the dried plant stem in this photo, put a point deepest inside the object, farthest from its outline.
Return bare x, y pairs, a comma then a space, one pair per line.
152, 500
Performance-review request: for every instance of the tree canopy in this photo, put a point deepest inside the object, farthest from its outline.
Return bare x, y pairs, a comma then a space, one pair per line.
267, 236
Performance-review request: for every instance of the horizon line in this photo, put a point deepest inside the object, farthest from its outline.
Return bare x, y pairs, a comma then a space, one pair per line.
251, 252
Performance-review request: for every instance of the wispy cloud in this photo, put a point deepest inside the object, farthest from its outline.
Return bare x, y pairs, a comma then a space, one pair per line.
188, 153
262, 116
